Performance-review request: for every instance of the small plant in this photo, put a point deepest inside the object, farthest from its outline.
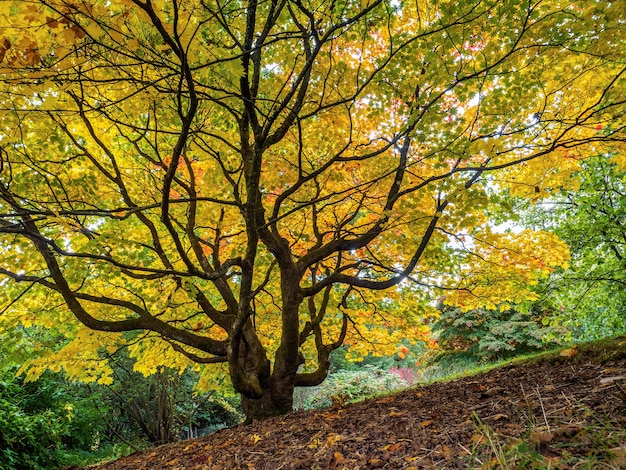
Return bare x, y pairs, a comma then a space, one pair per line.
485, 437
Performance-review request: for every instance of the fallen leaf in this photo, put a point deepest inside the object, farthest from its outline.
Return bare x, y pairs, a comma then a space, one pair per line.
499, 416
478, 438
385, 400
568, 352
314, 444
539, 437
608, 380
392, 448
492, 392
619, 457
568, 431
332, 415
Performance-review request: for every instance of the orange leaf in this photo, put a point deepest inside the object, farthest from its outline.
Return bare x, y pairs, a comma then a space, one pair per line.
385, 400
568, 352
392, 448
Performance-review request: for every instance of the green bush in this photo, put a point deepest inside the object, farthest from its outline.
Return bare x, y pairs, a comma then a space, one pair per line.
51, 423
32, 432
494, 334
348, 386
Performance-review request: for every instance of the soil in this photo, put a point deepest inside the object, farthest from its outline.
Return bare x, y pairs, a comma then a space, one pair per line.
558, 411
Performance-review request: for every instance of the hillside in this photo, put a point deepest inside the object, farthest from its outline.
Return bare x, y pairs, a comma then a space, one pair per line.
563, 411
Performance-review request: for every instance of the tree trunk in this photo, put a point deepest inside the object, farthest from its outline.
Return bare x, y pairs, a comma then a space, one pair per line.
276, 400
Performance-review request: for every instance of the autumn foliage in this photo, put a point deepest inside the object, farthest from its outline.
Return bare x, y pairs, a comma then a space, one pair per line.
242, 187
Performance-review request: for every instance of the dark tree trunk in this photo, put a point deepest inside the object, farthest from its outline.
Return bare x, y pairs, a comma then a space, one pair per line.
277, 400
266, 394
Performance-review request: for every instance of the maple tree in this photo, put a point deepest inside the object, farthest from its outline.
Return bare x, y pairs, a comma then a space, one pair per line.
243, 187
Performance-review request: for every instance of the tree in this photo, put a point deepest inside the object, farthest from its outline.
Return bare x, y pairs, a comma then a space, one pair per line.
589, 296
256, 183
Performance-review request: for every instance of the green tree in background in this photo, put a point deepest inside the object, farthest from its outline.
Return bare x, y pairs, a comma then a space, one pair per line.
590, 296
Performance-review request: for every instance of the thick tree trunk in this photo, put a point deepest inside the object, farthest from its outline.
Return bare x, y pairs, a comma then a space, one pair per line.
277, 400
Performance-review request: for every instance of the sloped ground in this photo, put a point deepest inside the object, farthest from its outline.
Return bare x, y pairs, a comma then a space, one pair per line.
565, 412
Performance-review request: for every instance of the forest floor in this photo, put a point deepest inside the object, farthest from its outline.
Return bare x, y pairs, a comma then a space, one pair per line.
565, 410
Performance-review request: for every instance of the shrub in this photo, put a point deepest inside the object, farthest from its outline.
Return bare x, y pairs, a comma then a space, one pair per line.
406, 374
494, 333
348, 386
34, 424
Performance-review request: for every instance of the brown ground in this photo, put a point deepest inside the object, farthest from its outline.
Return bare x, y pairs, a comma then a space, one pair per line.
560, 412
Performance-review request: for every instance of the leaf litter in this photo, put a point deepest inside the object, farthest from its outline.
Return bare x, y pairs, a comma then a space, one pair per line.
554, 412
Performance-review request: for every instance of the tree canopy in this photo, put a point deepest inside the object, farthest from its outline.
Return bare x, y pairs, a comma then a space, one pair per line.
590, 218
245, 186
